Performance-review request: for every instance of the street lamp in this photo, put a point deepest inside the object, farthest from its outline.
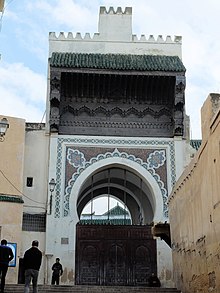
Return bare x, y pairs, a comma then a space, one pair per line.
4, 125
52, 185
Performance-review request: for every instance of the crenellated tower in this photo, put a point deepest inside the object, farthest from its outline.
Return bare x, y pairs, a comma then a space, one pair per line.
115, 25
115, 83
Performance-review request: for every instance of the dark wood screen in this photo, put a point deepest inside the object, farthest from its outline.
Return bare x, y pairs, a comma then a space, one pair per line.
114, 255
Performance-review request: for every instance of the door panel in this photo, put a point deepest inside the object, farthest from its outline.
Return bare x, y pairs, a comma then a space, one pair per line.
115, 272
114, 255
89, 268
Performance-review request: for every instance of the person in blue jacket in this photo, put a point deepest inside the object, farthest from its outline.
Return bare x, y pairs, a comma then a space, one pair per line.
6, 255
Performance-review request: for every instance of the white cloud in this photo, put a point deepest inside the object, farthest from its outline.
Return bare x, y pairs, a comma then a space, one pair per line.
66, 13
22, 92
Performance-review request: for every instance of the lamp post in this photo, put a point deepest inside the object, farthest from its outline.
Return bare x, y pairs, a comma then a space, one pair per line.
52, 185
4, 125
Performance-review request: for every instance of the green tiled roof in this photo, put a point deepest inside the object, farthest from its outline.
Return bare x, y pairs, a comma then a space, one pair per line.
11, 198
115, 216
117, 62
116, 211
105, 222
195, 143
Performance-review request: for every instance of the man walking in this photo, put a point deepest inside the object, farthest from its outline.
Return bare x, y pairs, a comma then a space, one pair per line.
6, 255
32, 262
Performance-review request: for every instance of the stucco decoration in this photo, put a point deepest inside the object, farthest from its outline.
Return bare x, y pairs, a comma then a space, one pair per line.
76, 158
156, 159
153, 162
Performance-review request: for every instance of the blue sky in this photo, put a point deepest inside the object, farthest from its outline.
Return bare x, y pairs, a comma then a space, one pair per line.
25, 25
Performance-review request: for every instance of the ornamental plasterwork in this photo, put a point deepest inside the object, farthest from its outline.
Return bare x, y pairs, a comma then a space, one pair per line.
76, 158
156, 159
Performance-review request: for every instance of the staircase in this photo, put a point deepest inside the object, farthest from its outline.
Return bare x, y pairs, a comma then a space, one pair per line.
89, 289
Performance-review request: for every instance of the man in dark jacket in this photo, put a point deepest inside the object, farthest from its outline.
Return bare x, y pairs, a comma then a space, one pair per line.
57, 272
32, 262
6, 255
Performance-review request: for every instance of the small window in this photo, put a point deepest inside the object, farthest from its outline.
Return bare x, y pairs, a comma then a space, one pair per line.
29, 182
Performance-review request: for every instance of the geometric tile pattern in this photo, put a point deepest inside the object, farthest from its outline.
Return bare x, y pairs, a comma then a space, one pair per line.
156, 159
77, 159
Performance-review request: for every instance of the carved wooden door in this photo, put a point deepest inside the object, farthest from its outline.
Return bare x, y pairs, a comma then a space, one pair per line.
114, 255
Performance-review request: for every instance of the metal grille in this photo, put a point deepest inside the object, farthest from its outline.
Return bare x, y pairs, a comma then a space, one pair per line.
34, 222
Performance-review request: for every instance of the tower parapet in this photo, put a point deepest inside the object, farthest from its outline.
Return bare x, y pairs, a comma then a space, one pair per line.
115, 36
53, 36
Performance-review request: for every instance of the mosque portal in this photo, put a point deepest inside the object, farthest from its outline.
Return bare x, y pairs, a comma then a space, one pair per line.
116, 121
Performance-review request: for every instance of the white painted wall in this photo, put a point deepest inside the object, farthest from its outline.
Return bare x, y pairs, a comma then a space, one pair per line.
36, 166
165, 265
143, 46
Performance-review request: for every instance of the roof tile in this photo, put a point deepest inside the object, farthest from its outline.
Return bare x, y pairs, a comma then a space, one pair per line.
10, 198
117, 62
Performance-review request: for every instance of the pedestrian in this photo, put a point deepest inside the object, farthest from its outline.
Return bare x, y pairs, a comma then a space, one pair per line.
6, 255
153, 281
57, 272
32, 262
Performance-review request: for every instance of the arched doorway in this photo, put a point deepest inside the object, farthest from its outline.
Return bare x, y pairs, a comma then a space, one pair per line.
112, 254
122, 184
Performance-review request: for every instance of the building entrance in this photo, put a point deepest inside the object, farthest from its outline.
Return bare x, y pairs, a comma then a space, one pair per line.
114, 255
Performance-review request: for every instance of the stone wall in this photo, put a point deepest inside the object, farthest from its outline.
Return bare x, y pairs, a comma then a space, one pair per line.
194, 211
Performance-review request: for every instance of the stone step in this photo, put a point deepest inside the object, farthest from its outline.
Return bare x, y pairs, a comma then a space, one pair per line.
90, 289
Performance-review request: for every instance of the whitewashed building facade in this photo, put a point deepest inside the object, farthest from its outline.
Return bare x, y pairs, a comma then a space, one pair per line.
115, 125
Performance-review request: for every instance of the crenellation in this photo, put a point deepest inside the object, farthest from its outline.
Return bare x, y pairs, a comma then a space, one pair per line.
95, 37
78, 36
119, 10
115, 35
160, 39
134, 38
168, 39
111, 10
142, 38
178, 39
52, 36
151, 39
69, 36
61, 36
87, 36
